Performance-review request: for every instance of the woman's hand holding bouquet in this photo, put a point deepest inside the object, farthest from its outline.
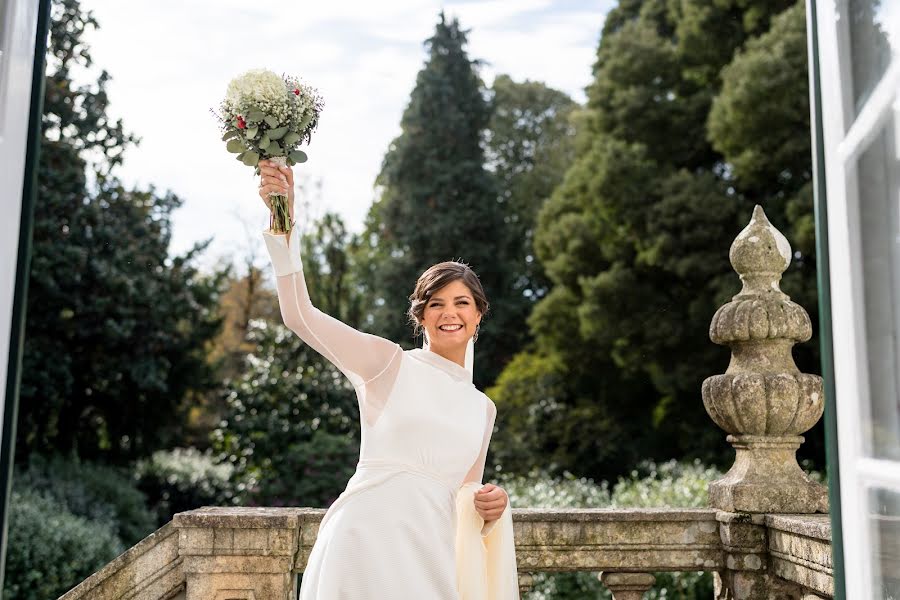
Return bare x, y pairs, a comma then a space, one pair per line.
264, 118
276, 180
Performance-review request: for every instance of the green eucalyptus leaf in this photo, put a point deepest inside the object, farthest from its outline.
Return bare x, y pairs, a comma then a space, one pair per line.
298, 156
277, 134
305, 122
274, 149
234, 146
240, 156
250, 159
251, 132
264, 141
230, 134
291, 138
271, 121
256, 116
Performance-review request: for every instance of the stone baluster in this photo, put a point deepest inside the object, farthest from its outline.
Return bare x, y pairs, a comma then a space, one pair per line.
526, 582
628, 586
762, 400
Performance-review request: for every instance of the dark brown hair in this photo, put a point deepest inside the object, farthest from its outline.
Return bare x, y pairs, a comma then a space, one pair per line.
436, 277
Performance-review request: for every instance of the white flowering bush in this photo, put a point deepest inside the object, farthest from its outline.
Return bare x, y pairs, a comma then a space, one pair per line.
182, 479
265, 116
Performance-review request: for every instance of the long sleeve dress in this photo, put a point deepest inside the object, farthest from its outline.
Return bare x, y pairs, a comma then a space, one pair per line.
425, 431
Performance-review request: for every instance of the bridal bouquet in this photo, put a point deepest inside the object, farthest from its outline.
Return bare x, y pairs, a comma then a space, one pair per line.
266, 117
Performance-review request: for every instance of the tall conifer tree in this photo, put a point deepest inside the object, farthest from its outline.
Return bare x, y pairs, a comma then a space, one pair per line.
438, 201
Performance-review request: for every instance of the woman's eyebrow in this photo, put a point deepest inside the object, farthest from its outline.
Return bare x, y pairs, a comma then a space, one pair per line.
441, 298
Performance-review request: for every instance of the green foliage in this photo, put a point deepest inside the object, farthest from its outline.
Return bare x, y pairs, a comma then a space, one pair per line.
50, 550
530, 144
112, 320
98, 493
672, 484
689, 101
531, 396
184, 479
760, 120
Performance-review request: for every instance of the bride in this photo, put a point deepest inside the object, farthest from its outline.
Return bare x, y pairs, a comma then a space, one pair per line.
425, 431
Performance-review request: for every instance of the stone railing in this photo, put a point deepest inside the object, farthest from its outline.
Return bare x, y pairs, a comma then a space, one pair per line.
761, 536
245, 553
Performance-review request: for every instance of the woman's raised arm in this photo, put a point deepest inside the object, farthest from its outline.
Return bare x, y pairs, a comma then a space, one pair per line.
362, 357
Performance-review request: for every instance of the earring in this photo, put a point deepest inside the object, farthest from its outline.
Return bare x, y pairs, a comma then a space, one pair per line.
477, 329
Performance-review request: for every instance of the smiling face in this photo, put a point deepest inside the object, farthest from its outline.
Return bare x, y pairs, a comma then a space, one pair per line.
450, 316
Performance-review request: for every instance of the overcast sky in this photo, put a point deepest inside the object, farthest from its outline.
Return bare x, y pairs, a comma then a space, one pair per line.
170, 62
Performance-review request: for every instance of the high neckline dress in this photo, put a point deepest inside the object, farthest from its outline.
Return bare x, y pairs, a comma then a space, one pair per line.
425, 431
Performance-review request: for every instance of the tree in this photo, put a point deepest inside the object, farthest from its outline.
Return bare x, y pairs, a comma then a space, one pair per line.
438, 202
530, 145
116, 329
635, 241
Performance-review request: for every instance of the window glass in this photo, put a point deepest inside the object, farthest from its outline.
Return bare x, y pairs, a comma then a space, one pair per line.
885, 527
878, 174
874, 40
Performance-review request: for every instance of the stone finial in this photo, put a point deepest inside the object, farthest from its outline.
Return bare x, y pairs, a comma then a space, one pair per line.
763, 400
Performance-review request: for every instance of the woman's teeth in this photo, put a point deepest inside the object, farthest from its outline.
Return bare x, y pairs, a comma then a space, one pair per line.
450, 327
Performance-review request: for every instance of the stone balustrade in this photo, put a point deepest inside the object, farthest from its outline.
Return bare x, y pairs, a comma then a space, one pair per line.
761, 536
256, 553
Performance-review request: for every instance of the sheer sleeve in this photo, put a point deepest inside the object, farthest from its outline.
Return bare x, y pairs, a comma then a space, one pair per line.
370, 362
476, 473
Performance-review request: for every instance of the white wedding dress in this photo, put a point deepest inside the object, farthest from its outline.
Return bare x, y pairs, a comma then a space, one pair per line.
425, 431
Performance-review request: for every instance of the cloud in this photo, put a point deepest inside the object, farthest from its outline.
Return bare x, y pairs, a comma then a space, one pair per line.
171, 61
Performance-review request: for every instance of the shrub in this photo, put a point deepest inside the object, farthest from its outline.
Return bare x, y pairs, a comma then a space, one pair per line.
183, 479
95, 492
50, 549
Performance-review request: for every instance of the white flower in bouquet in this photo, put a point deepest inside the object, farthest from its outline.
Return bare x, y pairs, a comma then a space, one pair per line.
265, 116
258, 86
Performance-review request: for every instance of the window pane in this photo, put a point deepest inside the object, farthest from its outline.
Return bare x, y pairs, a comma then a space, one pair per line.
878, 173
885, 523
874, 32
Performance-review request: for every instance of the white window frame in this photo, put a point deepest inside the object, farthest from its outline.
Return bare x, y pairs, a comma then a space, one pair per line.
845, 137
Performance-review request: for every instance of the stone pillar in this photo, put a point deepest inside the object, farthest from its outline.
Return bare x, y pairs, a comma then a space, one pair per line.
238, 553
628, 586
746, 576
762, 400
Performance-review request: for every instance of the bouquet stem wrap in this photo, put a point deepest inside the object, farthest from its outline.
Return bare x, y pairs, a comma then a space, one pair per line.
280, 218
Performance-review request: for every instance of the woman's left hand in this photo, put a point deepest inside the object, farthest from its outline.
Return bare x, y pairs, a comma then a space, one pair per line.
490, 501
